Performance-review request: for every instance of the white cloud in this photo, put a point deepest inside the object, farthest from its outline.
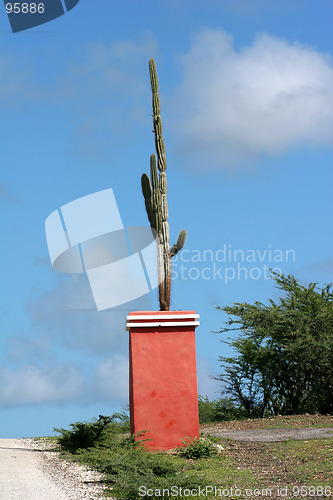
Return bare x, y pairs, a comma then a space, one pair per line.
263, 99
62, 383
32, 385
231, 107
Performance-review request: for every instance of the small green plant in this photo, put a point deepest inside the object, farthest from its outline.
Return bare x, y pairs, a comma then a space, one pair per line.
122, 418
197, 448
136, 440
154, 190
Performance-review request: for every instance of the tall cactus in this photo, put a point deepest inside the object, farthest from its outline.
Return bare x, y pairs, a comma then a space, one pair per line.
155, 194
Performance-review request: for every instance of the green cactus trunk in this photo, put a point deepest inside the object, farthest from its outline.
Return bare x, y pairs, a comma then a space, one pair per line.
155, 195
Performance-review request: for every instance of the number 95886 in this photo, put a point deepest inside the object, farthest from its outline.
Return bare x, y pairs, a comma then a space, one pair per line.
24, 8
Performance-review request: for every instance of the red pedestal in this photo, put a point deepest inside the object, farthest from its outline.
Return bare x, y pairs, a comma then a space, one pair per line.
163, 377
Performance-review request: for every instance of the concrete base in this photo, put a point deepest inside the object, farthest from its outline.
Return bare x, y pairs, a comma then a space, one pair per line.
163, 378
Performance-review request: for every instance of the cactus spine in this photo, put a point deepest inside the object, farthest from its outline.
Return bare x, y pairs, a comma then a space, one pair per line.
155, 194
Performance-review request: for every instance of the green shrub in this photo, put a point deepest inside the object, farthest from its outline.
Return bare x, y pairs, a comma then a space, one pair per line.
219, 410
197, 448
83, 435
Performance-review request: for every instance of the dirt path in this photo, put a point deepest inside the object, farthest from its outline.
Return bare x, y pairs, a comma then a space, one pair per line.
279, 428
270, 435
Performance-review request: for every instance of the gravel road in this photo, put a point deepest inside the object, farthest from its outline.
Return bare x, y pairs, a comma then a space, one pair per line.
29, 471
267, 435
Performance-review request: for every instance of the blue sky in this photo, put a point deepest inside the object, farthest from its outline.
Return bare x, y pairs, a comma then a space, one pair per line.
246, 93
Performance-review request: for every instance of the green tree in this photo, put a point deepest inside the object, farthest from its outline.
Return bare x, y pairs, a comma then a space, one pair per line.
284, 353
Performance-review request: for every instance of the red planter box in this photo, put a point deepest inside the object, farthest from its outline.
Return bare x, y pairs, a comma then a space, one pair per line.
163, 377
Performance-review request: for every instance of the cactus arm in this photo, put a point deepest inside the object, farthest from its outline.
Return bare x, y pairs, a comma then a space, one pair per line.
146, 187
180, 243
147, 194
153, 173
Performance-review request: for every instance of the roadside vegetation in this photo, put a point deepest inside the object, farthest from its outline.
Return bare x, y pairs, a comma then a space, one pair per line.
131, 472
106, 445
